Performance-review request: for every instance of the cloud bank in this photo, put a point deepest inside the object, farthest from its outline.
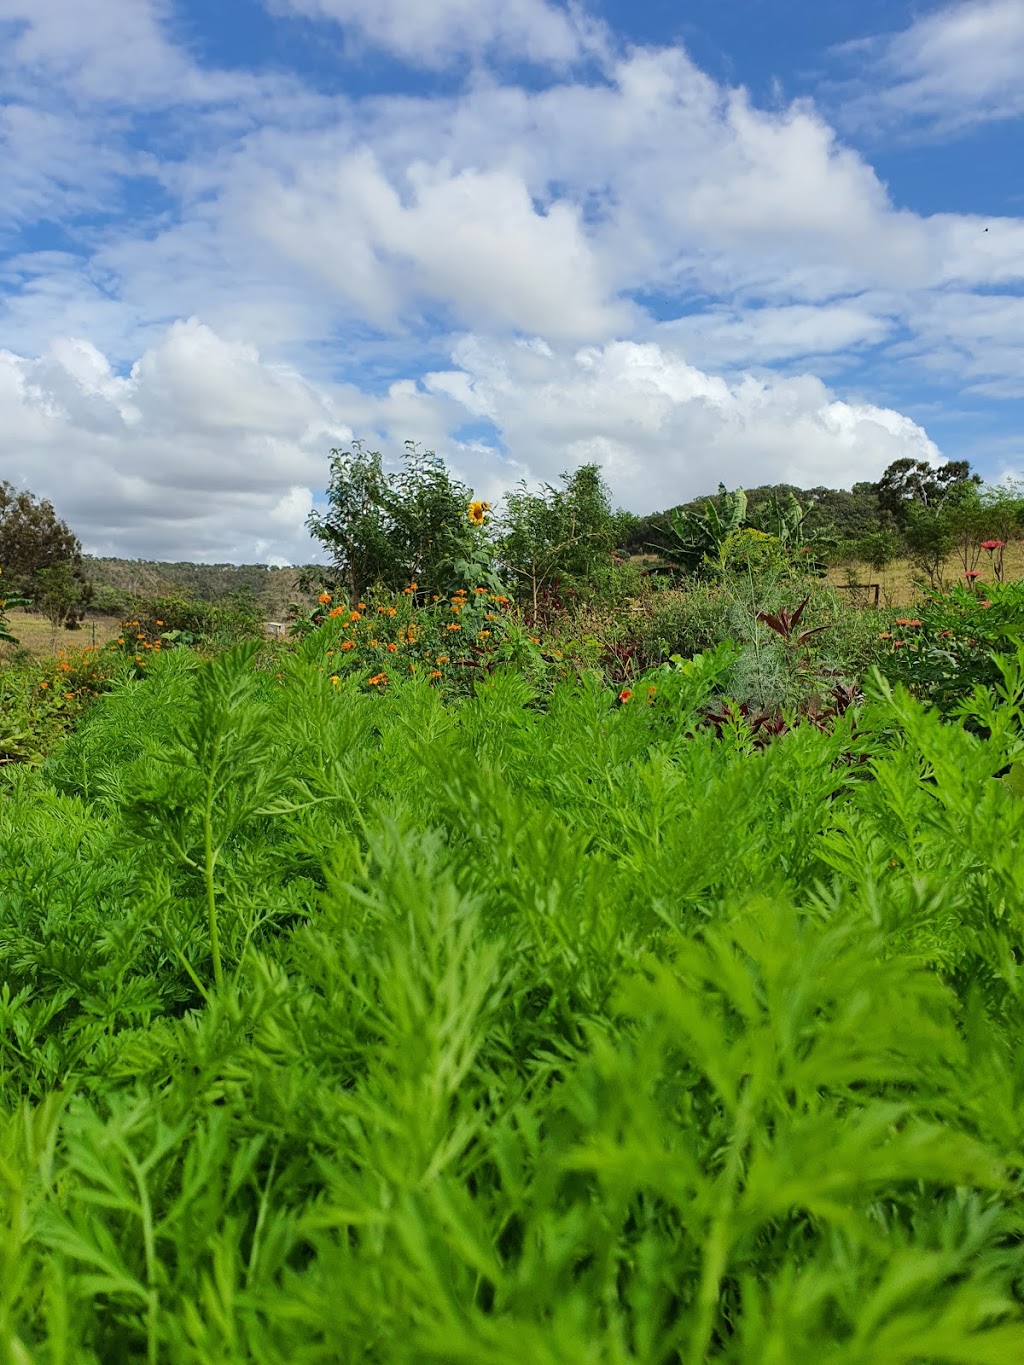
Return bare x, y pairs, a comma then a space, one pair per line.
213, 274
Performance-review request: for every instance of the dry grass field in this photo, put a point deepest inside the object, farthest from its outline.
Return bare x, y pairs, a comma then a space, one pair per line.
897, 582
37, 637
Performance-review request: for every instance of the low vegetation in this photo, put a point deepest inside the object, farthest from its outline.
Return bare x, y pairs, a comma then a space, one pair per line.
547, 967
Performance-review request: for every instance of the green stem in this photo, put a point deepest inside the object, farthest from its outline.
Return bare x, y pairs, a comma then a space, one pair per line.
149, 1243
757, 636
719, 1240
209, 863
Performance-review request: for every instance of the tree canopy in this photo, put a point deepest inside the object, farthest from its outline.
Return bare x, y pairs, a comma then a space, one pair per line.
393, 528
40, 555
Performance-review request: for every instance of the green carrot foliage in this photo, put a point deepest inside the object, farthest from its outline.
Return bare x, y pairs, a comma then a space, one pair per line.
522, 1024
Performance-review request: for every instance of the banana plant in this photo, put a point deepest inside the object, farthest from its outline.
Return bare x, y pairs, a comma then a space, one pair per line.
698, 540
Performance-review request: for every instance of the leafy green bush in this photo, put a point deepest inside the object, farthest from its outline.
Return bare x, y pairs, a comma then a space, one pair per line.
187, 620
954, 642
42, 699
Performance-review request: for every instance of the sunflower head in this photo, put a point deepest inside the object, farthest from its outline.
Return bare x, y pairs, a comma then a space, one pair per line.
477, 512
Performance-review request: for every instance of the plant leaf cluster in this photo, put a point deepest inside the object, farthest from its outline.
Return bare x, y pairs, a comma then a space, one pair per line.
403, 1028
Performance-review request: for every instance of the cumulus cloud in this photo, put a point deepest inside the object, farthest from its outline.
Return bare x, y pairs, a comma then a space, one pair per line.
204, 450
434, 33
665, 430
541, 211
469, 241
695, 264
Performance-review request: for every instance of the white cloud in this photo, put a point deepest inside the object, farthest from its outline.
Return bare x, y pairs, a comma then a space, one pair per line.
47, 158
957, 65
761, 336
540, 211
665, 430
353, 236
111, 52
979, 338
203, 451
434, 33
470, 241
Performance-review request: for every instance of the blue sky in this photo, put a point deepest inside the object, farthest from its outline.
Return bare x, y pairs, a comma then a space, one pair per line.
695, 242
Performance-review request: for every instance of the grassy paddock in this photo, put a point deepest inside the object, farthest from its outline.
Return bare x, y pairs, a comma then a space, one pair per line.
37, 637
899, 587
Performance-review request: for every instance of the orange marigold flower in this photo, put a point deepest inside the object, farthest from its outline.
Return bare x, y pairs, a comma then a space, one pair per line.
159, 623
898, 644
378, 679
334, 612
391, 648
44, 685
483, 634
625, 695
443, 659
435, 673
324, 597
361, 606
355, 616
984, 604
453, 625
348, 644
479, 589
885, 635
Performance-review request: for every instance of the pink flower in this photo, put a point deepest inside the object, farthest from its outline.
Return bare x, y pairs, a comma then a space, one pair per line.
972, 574
991, 545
